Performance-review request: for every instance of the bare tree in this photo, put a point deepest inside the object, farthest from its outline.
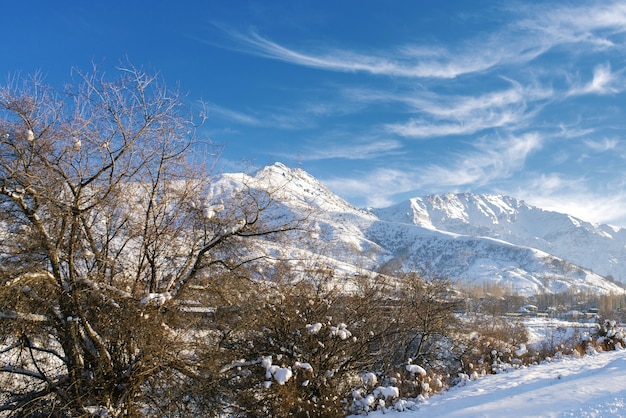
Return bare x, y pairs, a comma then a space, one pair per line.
106, 223
428, 307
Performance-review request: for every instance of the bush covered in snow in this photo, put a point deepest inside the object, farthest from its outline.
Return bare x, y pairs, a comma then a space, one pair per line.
493, 344
610, 335
316, 350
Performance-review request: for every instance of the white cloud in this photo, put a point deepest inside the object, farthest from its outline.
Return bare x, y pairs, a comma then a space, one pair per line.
442, 115
422, 128
232, 115
536, 31
408, 61
491, 160
593, 23
295, 117
603, 82
602, 145
574, 196
357, 150
376, 187
573, 130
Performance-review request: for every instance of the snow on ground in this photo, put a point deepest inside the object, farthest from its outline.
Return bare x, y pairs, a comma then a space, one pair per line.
591, 386
554, 332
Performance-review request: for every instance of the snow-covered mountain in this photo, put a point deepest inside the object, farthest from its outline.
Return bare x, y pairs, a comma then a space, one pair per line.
469, 238
600, 248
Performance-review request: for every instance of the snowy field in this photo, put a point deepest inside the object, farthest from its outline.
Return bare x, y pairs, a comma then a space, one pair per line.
591, 386
554, 332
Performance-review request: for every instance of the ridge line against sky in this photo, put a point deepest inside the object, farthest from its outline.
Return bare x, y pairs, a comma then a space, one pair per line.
379, 102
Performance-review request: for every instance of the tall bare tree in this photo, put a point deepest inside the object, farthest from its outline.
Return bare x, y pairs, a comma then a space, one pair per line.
106, 222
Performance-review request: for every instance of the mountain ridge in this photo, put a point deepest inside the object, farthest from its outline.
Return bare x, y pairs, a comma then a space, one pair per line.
468, 237
514, 221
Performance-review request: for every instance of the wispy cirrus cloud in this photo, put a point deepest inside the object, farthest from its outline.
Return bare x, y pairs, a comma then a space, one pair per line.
411, 62
463, 115
295, 117
466, 107
536, 31
594, 23
422, 128
574, 130
603, 145
232, 115
490, 160
576, 196
590, 206
533, 32
376, 187
604, 81
363, 149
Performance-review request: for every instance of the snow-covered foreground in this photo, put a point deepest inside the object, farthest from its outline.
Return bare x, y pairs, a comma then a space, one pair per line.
592, 386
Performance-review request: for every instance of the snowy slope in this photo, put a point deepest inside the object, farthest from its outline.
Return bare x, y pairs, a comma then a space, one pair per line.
469, 238
600, 248
592, 386
477, 259
336, 236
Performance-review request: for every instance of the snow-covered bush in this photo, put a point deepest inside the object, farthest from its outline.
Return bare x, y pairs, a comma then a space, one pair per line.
418, 383
318, 350
399, 390
382, 397
610, 335
493, 345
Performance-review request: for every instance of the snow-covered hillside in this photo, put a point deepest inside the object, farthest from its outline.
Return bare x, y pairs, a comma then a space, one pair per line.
469, 238
591, 386
600, 248
335, 228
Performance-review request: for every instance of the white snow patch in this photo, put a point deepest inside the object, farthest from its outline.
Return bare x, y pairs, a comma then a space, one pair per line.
303, 366
387, 392
156, 298
282, 374
415, 369
340, 331
590, 386
369, 379
314, 328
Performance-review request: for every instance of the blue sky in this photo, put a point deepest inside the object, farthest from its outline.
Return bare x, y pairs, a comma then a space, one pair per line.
380, 101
